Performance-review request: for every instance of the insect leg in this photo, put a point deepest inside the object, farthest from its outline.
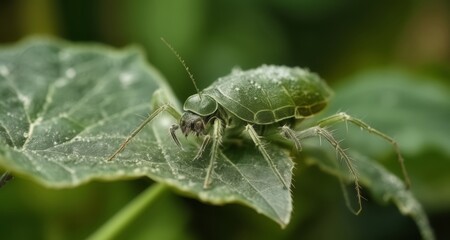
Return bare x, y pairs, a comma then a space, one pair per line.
172, 130
322, 132
216, 141
260, 145
343, 117
155, 113
203, 147
290, 134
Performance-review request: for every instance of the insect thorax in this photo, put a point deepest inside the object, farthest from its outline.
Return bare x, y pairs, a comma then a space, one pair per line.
202, 105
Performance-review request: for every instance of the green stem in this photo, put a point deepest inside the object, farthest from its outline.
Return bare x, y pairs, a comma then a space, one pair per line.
130, 212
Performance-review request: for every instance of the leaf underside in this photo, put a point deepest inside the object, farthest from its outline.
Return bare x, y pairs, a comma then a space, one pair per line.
65, 109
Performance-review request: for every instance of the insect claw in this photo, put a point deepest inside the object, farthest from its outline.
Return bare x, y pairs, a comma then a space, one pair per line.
172, 129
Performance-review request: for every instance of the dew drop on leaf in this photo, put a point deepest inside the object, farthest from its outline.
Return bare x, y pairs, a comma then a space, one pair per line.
4, 71
126, 79
71, 73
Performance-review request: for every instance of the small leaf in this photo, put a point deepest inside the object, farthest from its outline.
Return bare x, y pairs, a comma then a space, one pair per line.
66, 108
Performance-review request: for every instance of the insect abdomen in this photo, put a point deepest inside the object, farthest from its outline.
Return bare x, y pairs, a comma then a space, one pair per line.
270, 94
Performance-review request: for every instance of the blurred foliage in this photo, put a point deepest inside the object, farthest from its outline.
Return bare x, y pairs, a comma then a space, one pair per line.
337, 39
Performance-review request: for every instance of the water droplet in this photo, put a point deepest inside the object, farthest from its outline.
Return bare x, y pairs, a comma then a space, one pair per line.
126, 79
71, 73
4, 71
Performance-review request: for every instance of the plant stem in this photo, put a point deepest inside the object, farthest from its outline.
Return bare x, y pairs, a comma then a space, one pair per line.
130, 212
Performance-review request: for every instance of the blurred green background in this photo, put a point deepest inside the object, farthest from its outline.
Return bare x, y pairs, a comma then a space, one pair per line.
348, 42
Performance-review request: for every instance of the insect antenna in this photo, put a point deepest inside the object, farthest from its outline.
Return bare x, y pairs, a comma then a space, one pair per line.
191, 76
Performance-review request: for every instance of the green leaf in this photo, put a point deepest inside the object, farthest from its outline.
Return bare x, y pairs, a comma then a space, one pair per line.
414, 110
384, 186
65, 108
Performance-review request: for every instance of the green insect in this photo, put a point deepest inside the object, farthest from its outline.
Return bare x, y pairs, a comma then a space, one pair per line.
264, 100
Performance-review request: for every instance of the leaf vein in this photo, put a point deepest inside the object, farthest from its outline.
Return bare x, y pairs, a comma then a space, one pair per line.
264, 198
